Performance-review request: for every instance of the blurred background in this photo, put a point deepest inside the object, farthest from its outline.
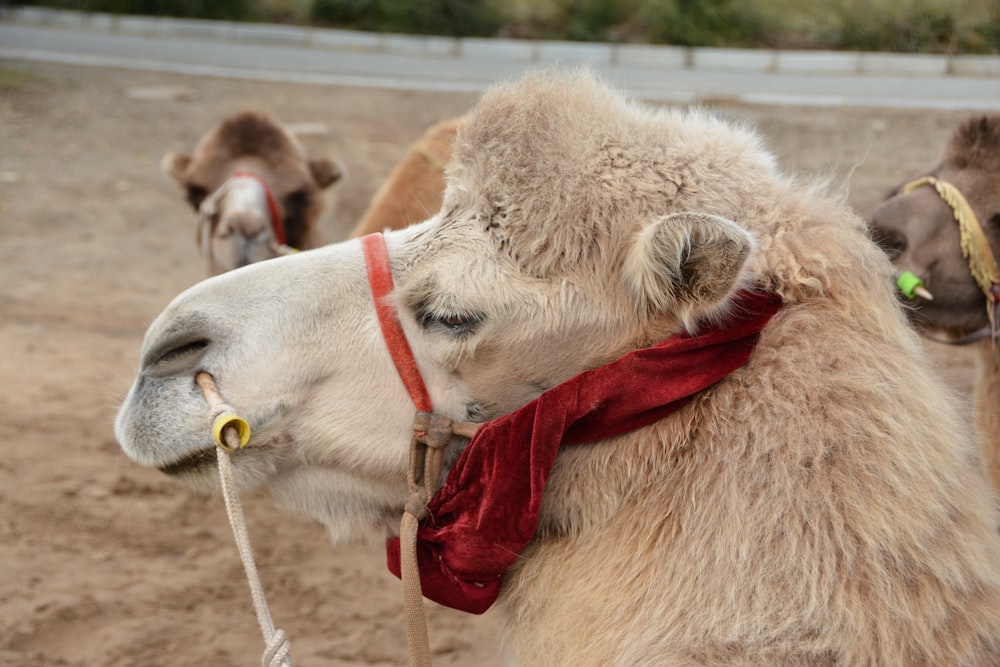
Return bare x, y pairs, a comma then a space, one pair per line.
903, 26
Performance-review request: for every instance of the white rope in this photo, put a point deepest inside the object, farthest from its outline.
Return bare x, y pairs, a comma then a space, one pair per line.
206, 211
277, 652
231, 432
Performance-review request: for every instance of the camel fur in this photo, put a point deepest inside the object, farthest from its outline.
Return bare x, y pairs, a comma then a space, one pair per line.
823, 505
919, 232
413, 190
240, 225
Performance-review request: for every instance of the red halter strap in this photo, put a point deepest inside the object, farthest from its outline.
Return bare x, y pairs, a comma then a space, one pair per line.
276, 223
380, 279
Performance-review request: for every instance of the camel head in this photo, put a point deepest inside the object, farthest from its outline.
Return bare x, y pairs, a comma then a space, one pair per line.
562, 243
254, 188
920, 232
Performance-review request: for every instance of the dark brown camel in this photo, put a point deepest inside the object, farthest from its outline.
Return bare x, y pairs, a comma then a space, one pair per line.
255, 190
922, 225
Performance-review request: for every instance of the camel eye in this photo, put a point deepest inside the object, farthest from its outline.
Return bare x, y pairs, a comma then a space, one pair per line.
196, 195
452, 323
297, 202
995, 220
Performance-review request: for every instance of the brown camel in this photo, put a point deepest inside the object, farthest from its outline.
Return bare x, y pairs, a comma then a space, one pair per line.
413, 190
919, 226
256, 192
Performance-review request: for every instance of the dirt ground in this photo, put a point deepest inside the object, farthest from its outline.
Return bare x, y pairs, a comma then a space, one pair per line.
106, 563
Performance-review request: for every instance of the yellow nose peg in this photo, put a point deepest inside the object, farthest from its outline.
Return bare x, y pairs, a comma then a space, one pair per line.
229, 430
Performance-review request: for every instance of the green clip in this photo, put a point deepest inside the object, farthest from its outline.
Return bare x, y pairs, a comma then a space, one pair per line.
907, 283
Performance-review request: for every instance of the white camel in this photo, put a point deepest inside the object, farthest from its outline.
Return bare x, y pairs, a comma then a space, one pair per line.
787, 510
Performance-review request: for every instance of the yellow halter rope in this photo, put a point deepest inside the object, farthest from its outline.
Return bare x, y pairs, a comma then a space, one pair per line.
975, 245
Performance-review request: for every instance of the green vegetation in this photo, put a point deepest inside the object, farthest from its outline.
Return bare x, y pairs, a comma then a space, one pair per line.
421, 17
909, 26
233, 10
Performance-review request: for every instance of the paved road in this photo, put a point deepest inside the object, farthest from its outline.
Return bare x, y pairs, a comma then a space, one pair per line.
435, 65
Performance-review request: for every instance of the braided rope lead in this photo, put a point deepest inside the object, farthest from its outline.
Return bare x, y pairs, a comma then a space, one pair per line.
231, 433
417, 640
277, 648
431, 434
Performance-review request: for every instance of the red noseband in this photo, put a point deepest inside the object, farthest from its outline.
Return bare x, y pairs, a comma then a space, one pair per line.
380, 279
276, 222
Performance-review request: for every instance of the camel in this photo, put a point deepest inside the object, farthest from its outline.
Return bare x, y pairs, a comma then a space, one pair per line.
414, 188
256, 192
816, 501
918, 228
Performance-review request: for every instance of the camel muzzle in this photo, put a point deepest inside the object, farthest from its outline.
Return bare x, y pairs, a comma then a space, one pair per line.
209, 212
976, 250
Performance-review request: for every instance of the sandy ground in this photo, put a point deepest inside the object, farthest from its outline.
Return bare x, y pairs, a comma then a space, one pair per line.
105, 563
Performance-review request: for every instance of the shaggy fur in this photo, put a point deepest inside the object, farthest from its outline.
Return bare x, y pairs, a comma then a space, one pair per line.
919, 232
974, 144
254, 141
823, 505
412, 192
800, 513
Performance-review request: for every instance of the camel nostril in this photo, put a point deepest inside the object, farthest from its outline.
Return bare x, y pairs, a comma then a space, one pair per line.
181, 351
891, 241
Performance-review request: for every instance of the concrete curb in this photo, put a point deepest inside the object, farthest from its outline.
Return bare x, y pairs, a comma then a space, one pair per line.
520, 51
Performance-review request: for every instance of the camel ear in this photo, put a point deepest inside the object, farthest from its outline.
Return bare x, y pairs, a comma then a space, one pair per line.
326, 172
687, 265
173, 165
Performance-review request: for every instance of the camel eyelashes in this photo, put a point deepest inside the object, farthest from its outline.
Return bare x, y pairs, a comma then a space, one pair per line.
452, 323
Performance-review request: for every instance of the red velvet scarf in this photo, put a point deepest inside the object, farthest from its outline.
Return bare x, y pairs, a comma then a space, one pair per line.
487, 510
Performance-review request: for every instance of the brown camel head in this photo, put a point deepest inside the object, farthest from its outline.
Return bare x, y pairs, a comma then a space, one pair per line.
243, 218
919, 231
